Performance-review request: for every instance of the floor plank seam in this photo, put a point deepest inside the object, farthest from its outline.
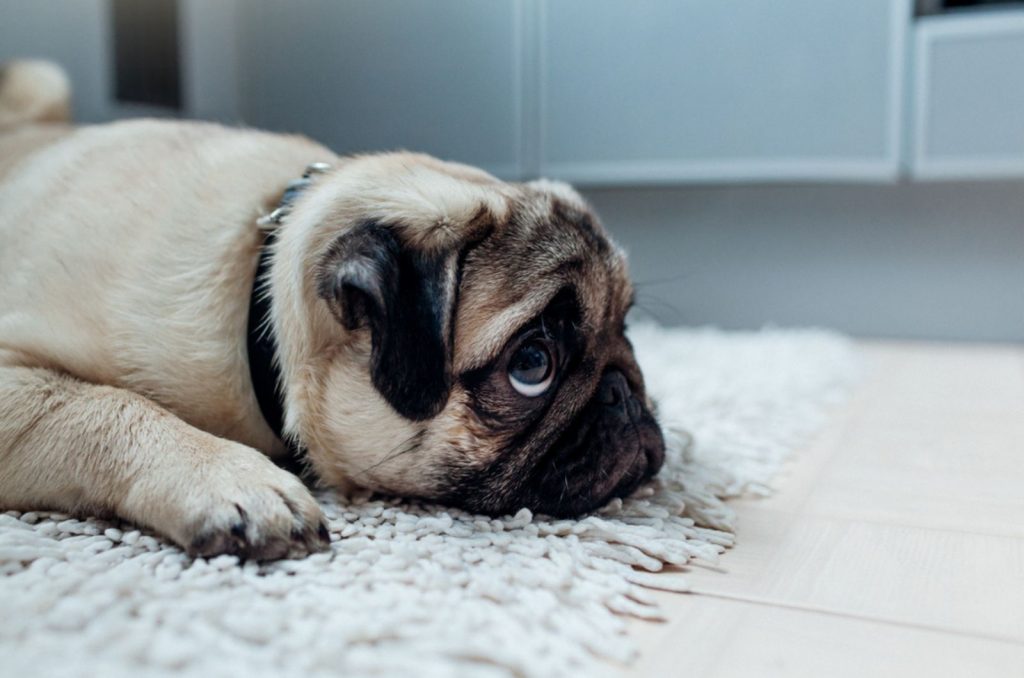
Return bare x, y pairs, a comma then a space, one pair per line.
825, 515
768, 602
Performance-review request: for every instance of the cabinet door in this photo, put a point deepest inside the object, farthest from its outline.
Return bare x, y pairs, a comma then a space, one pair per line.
699, 90
969, 96
358, 75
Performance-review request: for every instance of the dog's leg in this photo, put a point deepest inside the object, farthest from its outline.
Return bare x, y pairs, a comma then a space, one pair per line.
72, 446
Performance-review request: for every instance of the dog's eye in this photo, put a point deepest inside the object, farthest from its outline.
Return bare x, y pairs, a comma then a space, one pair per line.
532, 369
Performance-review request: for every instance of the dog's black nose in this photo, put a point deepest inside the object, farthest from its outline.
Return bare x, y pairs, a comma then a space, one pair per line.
613, 390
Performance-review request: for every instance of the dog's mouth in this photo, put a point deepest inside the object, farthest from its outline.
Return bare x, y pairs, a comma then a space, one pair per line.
612, 447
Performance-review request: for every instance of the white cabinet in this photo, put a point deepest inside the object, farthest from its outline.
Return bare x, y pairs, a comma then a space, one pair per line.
968, 96
698, 90
593, 91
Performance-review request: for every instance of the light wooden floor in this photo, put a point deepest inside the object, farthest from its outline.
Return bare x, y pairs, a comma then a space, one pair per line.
894, 547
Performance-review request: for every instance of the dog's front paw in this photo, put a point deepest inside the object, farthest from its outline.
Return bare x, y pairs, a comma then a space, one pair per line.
242, 504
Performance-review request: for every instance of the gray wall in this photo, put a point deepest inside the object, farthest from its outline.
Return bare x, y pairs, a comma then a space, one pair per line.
935, 261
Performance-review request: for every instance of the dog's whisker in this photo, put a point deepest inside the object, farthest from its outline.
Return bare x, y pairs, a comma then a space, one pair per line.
646, 304
406, 446
660, 281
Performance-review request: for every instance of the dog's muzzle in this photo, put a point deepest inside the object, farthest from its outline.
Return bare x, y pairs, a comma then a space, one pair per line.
614, 446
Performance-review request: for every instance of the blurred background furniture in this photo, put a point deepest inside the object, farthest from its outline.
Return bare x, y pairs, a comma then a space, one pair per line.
849, 164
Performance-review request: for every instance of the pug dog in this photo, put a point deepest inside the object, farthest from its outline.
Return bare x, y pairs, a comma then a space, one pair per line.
177, 313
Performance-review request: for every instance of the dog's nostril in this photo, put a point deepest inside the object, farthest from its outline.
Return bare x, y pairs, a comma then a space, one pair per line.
613, 389
609, 396
633, 408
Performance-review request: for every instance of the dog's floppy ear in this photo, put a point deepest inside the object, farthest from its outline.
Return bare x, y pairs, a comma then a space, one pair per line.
405, 297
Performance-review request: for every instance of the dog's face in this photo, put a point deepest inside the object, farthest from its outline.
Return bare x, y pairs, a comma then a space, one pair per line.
449, 336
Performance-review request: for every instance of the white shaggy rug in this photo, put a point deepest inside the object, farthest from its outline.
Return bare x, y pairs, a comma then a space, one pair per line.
417, 590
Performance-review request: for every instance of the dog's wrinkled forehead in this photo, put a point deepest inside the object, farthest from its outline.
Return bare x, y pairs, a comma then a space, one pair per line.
428, 200
516, 245
550, 242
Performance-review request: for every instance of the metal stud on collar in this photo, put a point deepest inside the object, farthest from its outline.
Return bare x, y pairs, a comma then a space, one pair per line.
316, 168
269, 222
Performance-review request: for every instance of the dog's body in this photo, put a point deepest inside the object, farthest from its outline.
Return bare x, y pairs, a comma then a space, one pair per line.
127, 261
147, 288
123, 297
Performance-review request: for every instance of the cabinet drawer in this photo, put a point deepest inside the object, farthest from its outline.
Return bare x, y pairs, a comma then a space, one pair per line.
968, 120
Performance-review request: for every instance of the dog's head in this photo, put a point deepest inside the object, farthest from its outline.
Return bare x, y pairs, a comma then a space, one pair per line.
449, 336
